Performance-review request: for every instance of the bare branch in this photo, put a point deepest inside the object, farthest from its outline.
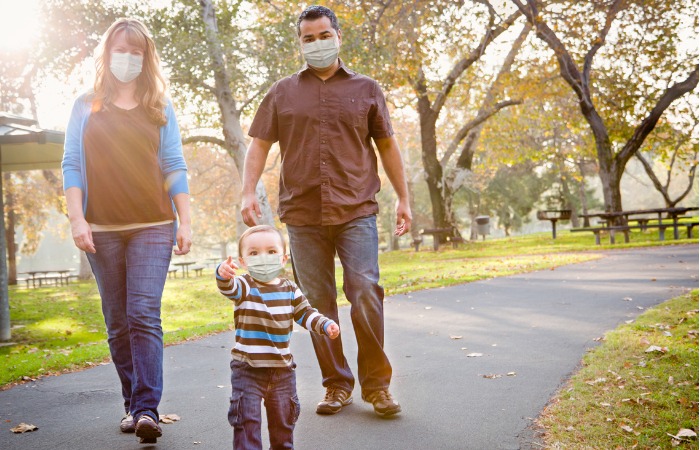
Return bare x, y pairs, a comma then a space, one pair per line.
642, 131
204, 139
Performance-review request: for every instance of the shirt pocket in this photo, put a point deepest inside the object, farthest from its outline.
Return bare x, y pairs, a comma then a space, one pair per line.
353, 111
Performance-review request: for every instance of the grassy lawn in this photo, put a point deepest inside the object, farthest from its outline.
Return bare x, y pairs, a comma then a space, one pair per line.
628, 395
59, 329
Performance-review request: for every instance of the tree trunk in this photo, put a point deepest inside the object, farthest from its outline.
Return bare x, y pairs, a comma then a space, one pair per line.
230, 115
85, 270
10, 242
5, 333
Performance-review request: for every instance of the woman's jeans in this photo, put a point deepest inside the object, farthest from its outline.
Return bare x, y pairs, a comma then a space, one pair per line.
130, 268
313, 250
249, 387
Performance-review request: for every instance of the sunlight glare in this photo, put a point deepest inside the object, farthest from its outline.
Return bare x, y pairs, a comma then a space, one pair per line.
19, 24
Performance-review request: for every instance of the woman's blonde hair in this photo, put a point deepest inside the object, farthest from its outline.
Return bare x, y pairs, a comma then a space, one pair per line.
151, 83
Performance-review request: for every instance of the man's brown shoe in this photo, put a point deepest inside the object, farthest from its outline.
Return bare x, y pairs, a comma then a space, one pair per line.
334, 401
383, 404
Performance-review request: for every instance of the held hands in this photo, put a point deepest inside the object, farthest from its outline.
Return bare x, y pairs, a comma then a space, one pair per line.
82, 235
227, 269
333, 330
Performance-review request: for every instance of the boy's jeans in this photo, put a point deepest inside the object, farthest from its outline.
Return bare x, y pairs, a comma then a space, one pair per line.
130, 268
313, 251
249, 386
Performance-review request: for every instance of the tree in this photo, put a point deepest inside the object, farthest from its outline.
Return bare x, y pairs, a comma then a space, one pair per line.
644, 28
677, 151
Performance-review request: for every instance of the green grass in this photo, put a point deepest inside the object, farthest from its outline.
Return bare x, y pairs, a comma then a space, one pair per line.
626, 397
62, 329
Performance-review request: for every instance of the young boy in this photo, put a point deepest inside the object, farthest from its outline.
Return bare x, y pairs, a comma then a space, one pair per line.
262, 366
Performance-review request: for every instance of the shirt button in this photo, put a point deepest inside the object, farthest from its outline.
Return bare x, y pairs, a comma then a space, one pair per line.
323, 142
323, 121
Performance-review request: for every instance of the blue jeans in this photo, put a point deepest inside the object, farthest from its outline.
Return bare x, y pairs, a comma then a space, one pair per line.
130, 268
249, 387
313, 249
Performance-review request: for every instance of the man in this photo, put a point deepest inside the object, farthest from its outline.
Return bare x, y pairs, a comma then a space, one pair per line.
325, 118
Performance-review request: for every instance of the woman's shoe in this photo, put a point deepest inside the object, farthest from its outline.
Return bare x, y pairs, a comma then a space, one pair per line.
127, 424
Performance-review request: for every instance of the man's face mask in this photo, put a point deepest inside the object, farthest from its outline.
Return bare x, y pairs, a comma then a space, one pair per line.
125, 66
265, 267
322, 53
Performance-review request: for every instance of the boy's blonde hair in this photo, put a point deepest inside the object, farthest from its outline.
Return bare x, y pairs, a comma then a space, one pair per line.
151, 83
260, 229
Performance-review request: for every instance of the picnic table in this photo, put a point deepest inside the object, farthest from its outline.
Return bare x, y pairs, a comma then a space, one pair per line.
41, 277
185, 266
620, 221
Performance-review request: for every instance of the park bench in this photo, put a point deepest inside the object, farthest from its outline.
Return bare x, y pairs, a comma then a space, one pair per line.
625, 229
451, 234
172, 272
197, 270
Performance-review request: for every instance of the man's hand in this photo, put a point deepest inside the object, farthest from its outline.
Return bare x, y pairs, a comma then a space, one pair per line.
227, 269
250, 209
403, 218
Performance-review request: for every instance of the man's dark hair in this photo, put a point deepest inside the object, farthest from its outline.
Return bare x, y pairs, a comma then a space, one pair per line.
316, 12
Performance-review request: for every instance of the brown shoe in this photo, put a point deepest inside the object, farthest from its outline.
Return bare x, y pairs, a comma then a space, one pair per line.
127, 424
334, 401
147, 430
384, 405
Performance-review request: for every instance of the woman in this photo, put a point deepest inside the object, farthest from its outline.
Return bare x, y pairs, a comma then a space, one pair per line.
124, 179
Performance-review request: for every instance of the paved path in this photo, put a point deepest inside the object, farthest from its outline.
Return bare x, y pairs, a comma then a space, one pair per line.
537, 325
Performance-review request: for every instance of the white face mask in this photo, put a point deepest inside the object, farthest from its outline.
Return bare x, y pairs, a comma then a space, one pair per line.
322, 53
264, 267
125, 66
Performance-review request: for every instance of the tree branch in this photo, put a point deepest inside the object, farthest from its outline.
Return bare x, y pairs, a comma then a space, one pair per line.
642, 131
204, 139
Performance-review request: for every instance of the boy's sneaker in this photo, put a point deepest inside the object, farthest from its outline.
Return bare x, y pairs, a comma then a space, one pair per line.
127, 424
383, 404
147, 430
334, 401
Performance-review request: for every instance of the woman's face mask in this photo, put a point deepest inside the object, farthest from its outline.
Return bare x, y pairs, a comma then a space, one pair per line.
322, 53
125, 66
264, 267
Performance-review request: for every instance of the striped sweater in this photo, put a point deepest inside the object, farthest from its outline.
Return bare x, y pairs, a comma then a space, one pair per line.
263, 315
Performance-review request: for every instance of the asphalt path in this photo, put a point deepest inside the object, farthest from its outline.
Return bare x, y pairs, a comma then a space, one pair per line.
531, 331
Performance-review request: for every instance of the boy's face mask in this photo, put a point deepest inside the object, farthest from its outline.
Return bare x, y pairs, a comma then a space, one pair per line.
265, 267
125, 66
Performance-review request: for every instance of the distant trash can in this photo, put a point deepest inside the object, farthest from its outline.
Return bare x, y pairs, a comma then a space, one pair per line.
482, 225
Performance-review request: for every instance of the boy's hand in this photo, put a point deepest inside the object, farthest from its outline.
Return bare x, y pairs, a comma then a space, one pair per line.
227, 269
333, 330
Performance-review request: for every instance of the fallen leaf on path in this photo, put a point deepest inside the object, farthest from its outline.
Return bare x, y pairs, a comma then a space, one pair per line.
656, 348
169, 418
474, 355
492, 376
627, 428
684, 433
428, 307
455, 337
627, 299
511, 374
23, 428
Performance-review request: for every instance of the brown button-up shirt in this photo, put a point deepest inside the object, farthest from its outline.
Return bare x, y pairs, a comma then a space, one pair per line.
324, 128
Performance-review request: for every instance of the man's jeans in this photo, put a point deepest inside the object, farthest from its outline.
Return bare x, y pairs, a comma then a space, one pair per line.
313, 249
130, 268
249, 386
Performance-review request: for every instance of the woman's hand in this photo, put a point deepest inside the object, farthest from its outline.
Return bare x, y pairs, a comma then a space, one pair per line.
82, 235
184, 239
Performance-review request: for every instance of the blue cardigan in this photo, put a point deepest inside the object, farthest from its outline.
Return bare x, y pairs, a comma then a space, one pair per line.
172, 161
